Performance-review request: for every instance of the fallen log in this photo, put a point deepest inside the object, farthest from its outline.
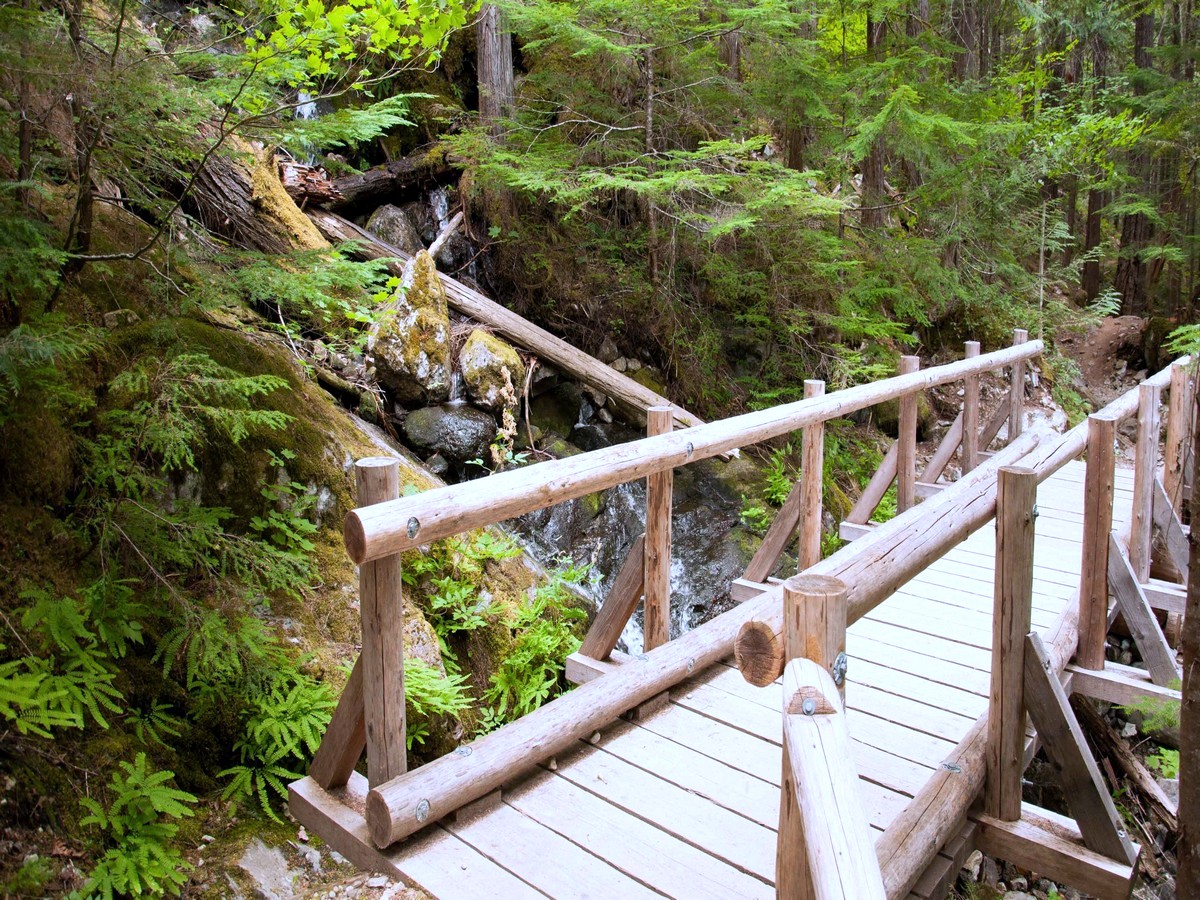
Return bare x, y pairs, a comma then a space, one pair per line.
306, 184
630, 397
395, 180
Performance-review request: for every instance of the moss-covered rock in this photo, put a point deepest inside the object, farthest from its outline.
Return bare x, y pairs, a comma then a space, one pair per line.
392, 225
492, 370
412, 349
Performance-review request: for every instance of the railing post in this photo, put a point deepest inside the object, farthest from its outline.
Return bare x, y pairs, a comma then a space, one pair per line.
1145, 464
814, 623
970, 434
1097, 525
1016, 498
812, 471
1179, 432
814, 627
656, 626
1016, 391
906, 442
381, 601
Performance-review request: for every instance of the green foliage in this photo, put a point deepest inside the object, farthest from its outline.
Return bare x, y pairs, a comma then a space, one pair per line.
755, 517
781, 478
283, 728
1165, 762
1157, 715
32, 355
31, 880
428, 694
136, 828
286, 523
544, 631
886, 510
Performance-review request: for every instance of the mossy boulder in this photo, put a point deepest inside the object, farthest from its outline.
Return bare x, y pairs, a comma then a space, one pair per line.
458, 432
886, 416
412, 349
492, 370
393, 226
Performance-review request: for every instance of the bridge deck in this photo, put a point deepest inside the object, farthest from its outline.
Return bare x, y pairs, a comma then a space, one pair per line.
685, 802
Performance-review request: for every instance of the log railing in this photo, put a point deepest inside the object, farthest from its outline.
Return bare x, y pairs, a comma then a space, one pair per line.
964, 437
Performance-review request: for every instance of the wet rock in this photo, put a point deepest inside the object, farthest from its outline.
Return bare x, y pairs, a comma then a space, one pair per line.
460, 433
411, 353
268, 870
438, 465
393, 226
557, 410
456, 253
421, 216
492, 370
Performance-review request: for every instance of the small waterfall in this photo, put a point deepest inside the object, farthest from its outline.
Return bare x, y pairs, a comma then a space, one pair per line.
439, 202
457, 392
306, 107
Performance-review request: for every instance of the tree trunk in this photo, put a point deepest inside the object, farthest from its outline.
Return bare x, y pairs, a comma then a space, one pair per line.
1136, 231
965, 25
1187, 882
495, 66
730, 51
874, 196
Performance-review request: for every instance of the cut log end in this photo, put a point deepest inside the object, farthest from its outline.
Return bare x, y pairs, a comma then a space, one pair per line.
758, 652
355, 538
379, 821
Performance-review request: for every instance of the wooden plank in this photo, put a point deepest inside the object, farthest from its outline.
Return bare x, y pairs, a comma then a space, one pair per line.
942, 873
992, 428
1097, 817
1145, 463
1016, 393
385, 528
1029, 843
1167, 597
1171, 530
1179, 431
644, 852
875, 489
1122, 685
1015, 510
821, 829
906, 441
903, 659
656, 629
940, 649
381, 601
783, 527
945, 451
852, 531
581, 669
544, 859
622, 600
746, 845
1143, 626
1097, 519
345, 738
433, 861
970, 413
812, 478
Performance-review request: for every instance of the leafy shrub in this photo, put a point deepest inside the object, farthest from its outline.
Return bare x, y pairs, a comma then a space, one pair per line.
429, 693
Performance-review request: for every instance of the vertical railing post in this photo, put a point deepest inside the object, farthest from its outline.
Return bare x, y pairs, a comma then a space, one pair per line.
812, 471
381, 601
814, 626
906, 442
1016, 391
970, 434
1097, 525
814, 623
1016, 498
1179, 431
657, 613
1145, 464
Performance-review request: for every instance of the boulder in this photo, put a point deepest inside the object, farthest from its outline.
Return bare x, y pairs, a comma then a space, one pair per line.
458, 432
492, 370
411, 351
392, 226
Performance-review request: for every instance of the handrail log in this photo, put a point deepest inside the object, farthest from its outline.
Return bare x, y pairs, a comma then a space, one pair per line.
385, 528
834, 840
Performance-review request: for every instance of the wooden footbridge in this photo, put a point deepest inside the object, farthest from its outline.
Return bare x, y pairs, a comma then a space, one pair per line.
851, 732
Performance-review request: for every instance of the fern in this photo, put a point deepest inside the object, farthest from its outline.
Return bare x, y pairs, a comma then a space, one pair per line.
138, 825
31, 701
429, 693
